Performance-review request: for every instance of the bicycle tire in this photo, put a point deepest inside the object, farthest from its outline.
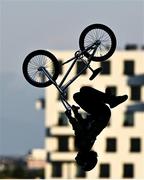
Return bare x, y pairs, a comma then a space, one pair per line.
85, 41
36, 59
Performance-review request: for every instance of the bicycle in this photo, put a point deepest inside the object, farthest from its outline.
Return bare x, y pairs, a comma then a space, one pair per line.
97, 42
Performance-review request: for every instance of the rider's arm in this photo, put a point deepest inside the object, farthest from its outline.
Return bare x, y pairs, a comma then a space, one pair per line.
76, 113
72, 120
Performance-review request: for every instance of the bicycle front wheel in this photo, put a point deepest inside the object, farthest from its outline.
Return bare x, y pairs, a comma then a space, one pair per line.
101, 34
35, 60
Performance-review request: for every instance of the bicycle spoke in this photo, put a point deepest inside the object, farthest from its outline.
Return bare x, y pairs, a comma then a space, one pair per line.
100, 50
35, 63
103, 34
33, 66
98, 34
33, 75
105, 46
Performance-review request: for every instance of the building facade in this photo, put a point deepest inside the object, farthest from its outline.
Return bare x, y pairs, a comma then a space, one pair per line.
120, 145
36, 159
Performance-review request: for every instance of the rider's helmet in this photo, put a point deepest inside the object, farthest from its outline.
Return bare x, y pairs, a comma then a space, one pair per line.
87, 160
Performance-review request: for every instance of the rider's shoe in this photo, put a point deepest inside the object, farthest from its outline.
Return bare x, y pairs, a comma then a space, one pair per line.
116, 100
113, 100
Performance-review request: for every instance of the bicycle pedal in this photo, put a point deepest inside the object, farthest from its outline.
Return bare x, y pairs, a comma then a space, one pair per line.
95, 73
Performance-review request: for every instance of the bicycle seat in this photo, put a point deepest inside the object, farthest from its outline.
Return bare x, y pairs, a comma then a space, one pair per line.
95, 73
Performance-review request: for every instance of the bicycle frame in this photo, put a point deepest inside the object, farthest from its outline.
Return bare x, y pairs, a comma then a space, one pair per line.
64, 87
61, 86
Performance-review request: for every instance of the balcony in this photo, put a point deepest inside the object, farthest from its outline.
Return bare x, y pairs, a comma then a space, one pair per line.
139, 107
136, 80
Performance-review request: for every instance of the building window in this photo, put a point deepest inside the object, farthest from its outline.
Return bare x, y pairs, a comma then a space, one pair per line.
135, 145
63, 121
66, 95
128, 171
56, 169
129, 67
106, 67
104, 170
60, 67
128, 118
80, 172
135, 93
48, 131
111, 90
111, 144
63, 143
131, 47
80, 66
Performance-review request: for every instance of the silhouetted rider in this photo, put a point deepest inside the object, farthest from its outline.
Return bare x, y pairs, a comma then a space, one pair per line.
97, 105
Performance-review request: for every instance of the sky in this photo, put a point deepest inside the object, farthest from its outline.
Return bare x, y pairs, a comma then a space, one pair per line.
27, 25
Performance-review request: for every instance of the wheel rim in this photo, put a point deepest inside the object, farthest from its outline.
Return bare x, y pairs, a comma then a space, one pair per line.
33, 68
98, 35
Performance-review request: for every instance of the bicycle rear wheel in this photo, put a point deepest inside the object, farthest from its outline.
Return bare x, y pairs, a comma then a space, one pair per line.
35, 60
101, 34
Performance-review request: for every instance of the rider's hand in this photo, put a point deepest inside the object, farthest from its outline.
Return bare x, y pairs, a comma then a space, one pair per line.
68, 112
75, 108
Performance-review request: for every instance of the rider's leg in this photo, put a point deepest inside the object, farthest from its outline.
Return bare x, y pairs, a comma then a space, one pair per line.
88, 100
77, 115
112, 100
91, 93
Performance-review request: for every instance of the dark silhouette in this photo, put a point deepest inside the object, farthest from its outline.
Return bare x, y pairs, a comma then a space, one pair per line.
97, 105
